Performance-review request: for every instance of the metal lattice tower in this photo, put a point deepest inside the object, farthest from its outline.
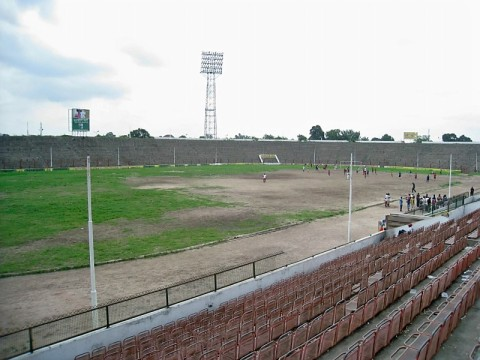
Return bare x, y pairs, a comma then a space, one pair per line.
212, 67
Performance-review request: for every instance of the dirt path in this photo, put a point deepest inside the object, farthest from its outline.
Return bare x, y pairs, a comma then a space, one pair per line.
33, 298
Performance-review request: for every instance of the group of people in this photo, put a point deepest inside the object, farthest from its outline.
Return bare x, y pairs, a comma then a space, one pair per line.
425, 202
428, 203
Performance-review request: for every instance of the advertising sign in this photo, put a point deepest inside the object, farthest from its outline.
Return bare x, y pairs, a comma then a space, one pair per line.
410, 135
80, 120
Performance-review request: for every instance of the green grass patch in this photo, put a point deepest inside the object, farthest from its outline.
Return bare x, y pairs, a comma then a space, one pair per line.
310, 215
77, 255
38, 205
446, 185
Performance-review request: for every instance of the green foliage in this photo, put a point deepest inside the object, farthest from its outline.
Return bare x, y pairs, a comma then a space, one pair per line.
350, 135
423, 138
337, 134
387, 137
271, 137
333, 134
242, 137
449, 137
464, 138
316, 133
139, 133
301, 137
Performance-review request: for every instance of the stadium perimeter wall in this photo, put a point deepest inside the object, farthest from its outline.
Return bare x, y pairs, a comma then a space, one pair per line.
37, 152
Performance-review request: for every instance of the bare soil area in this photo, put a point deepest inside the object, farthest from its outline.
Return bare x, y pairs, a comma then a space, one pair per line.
31, 299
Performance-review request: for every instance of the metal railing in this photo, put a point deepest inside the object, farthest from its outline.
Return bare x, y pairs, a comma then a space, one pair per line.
67, 327
440, 207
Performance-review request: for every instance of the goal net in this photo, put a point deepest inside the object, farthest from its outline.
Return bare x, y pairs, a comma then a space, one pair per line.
271, 159
347, 163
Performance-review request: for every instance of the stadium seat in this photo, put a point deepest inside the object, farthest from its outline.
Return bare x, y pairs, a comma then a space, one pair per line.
267, 351
295, 354
300, 335
343, 328
284, 344
98, 353
209, 355
328, 338
229, 350
327, 318
368, 345
246, 344
382, 335
84, 356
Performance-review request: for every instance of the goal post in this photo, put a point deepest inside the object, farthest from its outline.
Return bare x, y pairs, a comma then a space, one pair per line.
347, 163
270, 159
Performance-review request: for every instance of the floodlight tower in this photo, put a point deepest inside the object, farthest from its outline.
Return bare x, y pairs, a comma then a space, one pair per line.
211, 67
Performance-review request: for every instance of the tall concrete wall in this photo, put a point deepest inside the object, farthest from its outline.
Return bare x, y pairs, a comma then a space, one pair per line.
18, 152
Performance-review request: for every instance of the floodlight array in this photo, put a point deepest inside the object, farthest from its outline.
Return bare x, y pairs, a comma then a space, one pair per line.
211, 62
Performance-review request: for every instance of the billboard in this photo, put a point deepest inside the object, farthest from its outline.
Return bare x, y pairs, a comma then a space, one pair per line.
80, 120
410, 135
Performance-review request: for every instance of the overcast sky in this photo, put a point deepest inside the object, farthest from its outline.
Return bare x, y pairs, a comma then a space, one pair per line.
378, 67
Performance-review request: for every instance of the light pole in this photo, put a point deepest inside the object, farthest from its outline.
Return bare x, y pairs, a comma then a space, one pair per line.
211, 67
93, 292
349, 235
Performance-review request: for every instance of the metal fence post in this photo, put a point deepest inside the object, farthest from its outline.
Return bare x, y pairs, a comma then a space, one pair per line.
108, 316
215, 282
30, 339
254, 272
166, 297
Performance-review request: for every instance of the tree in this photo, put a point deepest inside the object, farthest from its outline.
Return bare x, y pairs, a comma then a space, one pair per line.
387, 137
301, 137
333, 134
349, 135
110, 135
464, 138
364, 138
268, 137
240, 136
316, 133
449, 137
139, 133
376, 139
423, 138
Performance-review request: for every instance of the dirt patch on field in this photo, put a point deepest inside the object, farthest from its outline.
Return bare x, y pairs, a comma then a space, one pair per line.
34, 298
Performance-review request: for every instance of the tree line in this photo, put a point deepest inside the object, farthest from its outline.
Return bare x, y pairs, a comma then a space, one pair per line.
316, 133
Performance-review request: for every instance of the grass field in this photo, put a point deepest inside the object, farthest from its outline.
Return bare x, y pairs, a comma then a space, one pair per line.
43, 215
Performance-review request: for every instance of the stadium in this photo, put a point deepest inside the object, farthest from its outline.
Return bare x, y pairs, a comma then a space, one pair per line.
302, 291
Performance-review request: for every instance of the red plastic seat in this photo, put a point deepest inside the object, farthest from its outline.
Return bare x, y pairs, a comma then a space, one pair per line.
267, 351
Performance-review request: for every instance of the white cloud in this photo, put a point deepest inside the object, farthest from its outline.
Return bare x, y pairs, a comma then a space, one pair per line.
142, 57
